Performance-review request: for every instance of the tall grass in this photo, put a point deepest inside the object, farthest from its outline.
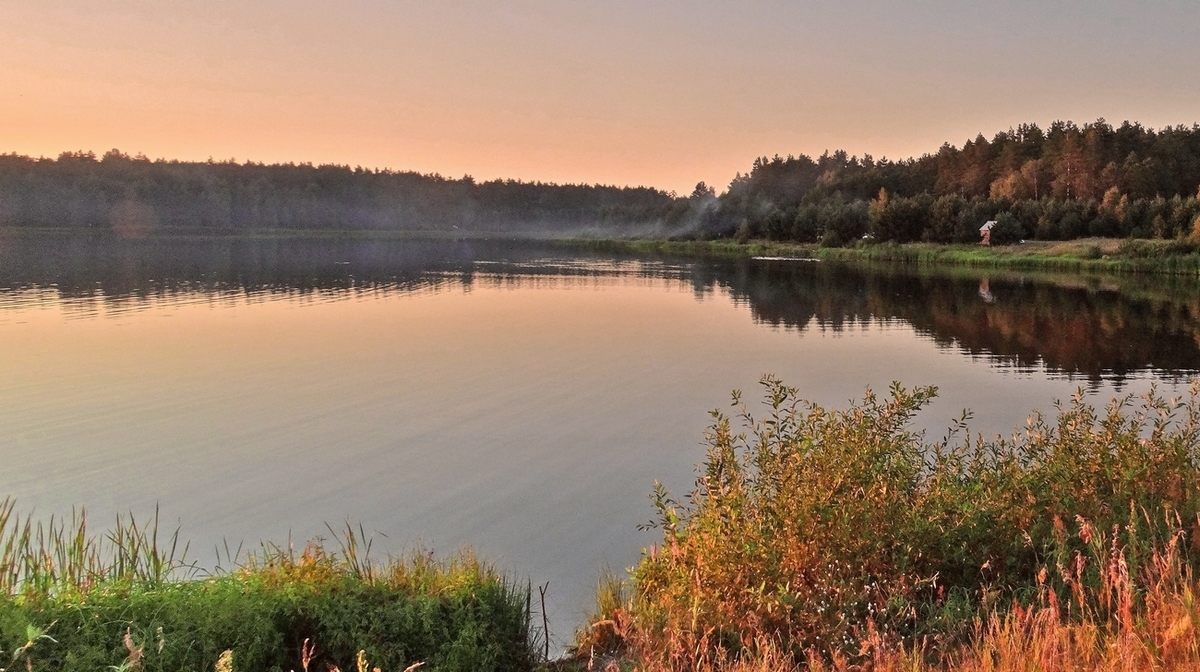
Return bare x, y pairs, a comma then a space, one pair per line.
1148, 620
72, 600
815, 530
61, 556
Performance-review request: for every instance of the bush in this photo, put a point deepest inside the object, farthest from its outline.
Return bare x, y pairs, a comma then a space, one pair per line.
815, 527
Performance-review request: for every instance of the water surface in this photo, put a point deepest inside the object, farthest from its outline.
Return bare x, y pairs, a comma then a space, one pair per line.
518, 397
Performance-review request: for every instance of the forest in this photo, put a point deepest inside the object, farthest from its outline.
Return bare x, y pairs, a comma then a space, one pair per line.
132, 195
1061, 183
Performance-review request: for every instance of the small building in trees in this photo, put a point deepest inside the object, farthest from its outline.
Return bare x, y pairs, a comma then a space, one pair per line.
985, 232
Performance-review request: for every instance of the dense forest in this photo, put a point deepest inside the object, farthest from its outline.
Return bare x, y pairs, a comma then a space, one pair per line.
132, 194
1060, 183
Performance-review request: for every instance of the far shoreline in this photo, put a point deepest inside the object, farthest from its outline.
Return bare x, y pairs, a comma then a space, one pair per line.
1090, 255
1180, 257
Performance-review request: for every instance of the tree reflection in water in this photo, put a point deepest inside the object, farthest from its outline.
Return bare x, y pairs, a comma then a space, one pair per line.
1097, 328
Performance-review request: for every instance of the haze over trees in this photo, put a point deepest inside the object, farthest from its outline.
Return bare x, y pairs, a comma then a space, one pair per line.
1063, 182
132, 193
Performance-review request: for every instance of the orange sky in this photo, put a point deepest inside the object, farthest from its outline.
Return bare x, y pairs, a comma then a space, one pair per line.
656, 93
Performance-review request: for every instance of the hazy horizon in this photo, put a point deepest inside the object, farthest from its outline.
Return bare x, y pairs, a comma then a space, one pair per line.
662, 95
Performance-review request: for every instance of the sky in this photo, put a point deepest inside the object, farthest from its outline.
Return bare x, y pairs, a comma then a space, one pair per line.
654, 93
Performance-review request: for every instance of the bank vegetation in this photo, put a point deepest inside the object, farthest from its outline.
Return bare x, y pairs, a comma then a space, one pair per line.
126, 599
840, 539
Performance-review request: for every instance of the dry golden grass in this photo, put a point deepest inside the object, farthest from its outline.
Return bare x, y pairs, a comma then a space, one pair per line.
1121, 627
839, 540
1154, 630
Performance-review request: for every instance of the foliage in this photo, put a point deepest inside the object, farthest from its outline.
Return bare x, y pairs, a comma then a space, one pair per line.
134, 196
60, 557
75, 602
1008, 230
1060, 183
1125, 620
815, 528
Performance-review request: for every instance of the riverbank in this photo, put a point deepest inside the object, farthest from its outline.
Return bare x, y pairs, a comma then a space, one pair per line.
1092, 255
75, 601
1085, 255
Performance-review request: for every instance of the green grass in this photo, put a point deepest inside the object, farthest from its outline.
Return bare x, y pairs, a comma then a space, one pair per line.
1088, 255
1108, 256
76, 601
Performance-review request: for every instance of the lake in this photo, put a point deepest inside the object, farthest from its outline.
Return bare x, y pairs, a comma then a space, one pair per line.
520, 397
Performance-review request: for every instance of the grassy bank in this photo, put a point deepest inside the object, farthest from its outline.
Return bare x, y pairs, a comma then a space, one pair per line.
1094, 255
823, 539
121, 601
838, 538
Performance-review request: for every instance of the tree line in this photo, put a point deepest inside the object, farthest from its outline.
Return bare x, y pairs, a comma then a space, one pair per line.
133, 193
1063, 182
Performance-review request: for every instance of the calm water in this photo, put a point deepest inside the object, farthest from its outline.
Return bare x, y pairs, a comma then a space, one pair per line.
521, 398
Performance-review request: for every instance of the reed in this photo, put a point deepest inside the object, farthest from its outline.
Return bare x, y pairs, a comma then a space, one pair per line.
60, 555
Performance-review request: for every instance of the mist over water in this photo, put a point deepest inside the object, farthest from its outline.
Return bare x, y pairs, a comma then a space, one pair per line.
518, 397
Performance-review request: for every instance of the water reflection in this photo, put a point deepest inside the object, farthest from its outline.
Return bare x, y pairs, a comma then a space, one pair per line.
88, 273
1075, 326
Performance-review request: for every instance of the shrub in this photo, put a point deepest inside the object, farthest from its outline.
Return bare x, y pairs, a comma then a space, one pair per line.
813, 527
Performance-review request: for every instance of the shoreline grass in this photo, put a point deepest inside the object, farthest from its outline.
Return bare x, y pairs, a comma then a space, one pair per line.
1093, 255
74, 601
1087, 255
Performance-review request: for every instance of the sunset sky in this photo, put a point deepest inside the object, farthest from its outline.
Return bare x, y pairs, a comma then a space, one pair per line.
660, 93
